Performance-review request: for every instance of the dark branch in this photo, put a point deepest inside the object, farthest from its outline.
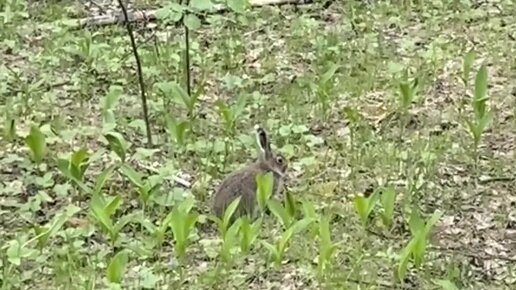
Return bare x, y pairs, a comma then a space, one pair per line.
140, 74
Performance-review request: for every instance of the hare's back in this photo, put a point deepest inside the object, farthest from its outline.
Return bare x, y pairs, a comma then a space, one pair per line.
241, 183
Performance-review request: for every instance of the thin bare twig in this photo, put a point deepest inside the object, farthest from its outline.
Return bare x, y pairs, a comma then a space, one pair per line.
140, 73
187, 55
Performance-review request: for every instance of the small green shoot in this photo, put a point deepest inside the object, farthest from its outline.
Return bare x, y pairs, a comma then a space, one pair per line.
224, 223
264, 184
482, 116
37, 144
249, 233
146, 188
277, 250
365, 205
182, 224
117, 144
280, 212
117, 266
326, 245
387, 199
416, 247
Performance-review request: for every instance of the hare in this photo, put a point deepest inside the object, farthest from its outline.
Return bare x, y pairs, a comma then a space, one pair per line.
243, 182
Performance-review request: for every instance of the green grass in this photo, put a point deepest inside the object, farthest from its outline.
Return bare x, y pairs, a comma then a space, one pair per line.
325, 84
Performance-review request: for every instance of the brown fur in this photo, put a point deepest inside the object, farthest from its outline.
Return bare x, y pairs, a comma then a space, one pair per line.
243, 182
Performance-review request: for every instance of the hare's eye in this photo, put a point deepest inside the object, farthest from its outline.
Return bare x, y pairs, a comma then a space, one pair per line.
279, 159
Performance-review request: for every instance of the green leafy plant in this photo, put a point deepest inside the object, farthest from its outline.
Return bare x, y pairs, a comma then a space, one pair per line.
407, 92
108, 104
227, 218
249, 232
43, 233
326, 245
482, 116
230, 114
281, 213
37, 144
323, 87
365, 205
102, 209
229, 241
177, 130
387, 199
175, 93
182, 224
146, 188
117, 144
416, 247
277, 250
264, 184
76, 165
117, 266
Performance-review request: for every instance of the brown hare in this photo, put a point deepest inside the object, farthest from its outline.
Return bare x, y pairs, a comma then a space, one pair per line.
243, 182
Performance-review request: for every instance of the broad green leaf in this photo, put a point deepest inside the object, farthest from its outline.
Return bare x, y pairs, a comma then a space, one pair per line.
98, 211
178, 93
405, 95
228, 214
103, 177
404, 259
176, 129
201, 5
36, 143
249, 232
237, 6
117, 266
120, 224
42, 233
111, 98
160, 231
419, 248
432, 221
186, 205
192, 22
480, 92
271, 248
79, 157
484, 122
229, 240
79, 163
361, 206
14, 254
280, 212
309, 210
388, 199
170, 13
264, 188
131, 174
416, 223
324, 231
290, 204
113, 205
301, 225
117, 143
328, 75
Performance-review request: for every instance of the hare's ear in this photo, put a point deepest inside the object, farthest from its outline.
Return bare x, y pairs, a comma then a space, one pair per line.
263, 141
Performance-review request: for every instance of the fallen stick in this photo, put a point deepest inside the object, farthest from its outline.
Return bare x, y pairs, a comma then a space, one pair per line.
150, 15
